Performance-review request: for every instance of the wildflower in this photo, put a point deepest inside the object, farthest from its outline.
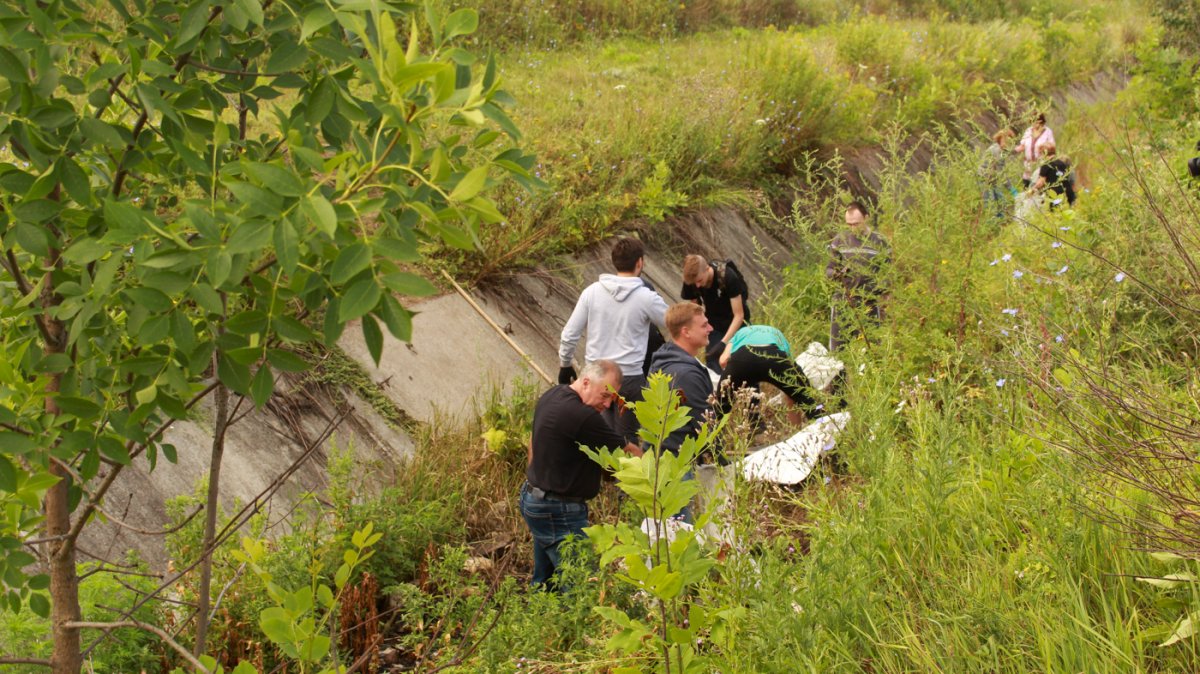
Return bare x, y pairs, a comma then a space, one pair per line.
1058, 339
760, 122
1065, 228
619, 87
995, 262
1004, 332
1010, 312
1006, 257
1017, 273
1062, 271
1000, 382
828, 446
1056, 244
1119, 277
931, 380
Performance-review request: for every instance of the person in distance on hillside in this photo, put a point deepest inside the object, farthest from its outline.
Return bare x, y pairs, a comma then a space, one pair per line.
1054, 176
1036, 137
993, 172
760, 353
618, 312
857, 255
559, 478
721, 290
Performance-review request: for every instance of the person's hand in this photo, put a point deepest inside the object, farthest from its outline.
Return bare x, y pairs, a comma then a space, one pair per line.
566, 375
724, 359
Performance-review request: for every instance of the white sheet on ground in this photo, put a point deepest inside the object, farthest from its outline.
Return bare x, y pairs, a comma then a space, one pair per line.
820, 367
792, 460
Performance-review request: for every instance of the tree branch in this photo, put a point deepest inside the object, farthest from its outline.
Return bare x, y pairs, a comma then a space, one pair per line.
26, 661
162, 634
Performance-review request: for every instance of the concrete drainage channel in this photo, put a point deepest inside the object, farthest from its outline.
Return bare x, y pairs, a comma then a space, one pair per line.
455, 357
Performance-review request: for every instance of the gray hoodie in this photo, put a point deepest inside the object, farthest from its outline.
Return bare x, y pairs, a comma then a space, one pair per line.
616, 312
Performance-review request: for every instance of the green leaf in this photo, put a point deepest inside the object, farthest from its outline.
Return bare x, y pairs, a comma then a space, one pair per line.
276, 179
316, 18
85, 250
470, 185
116, 452
79, 407
1184, 630
8, 475
286, 360
253, 9
359, 299
325, 596
404, 283
320, 213
192, 22
100, 132
397, 319
351, 261
316, 648
287, 245
249, 322
461, 22
373, 337
39, 604
74, 180
233, 374
263, 386
11, 68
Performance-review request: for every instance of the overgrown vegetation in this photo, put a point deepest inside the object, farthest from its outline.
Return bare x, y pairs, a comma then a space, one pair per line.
957, 529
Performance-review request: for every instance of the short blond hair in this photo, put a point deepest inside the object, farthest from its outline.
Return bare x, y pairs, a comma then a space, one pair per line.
693, 267
1002, 134
679, 315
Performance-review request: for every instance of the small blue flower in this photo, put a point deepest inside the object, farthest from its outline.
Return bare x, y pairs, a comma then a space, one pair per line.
993, 263
1065, 228
1000, 382
1004, 332
931, 380
1058, 339
1056, 244
1119, 277
1018, 273
1006, 257
1062, 271
1010, 312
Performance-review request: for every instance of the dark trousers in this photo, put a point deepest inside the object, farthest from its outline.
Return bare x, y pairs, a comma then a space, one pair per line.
623, 420
712, 355
551, 521
750, 366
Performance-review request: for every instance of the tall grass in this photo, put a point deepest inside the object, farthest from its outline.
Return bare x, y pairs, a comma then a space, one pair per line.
730, 112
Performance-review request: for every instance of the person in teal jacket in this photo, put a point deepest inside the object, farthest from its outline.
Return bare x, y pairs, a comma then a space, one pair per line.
760, 353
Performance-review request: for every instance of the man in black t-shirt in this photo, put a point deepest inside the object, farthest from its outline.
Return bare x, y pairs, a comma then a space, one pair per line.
1054, 177
722, 291
559, 477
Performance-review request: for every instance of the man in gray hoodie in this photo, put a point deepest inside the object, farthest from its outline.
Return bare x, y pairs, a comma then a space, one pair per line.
617, 312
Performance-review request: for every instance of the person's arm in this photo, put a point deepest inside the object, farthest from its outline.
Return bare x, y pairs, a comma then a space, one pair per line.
573, 330
739, 317
725, 355
657, 309
633, 450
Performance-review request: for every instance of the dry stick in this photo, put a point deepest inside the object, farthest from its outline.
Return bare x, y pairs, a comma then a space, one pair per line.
108, 627
499, 330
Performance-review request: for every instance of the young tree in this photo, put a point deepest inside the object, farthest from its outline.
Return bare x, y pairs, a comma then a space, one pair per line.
187, 188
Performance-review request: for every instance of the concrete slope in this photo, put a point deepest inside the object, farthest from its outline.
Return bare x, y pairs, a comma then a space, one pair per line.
456, 356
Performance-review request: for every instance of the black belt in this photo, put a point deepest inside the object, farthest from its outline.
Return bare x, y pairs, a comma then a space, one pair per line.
544, 495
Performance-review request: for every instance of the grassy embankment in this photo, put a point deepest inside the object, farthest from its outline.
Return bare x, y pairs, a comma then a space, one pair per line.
632, 130
956, 538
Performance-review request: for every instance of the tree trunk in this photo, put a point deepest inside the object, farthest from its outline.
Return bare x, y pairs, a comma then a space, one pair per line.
210, 516
64, 582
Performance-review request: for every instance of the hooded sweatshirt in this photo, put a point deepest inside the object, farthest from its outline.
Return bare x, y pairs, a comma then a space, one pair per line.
616, 312
690, 379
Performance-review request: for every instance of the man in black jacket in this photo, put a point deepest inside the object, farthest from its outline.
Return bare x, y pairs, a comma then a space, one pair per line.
560, 479
689, 329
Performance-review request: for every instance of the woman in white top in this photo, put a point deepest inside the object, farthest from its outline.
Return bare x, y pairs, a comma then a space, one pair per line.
1037, 136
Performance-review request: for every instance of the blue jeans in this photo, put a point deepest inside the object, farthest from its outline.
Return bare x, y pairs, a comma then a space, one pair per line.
551, 521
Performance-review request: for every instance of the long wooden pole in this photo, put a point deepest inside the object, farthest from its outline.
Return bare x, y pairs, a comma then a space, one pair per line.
499, 330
